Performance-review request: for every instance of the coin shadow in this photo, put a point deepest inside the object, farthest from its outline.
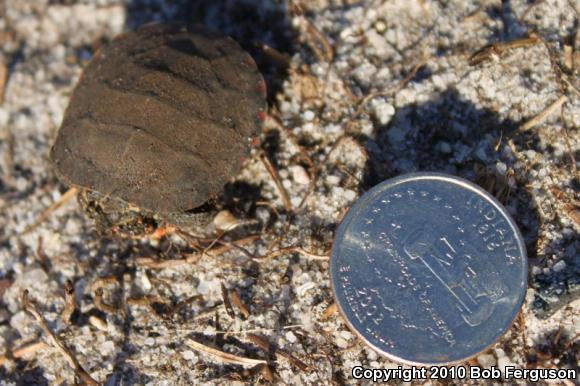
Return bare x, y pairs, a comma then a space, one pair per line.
23, 375
508, 25
450, 134
252, 27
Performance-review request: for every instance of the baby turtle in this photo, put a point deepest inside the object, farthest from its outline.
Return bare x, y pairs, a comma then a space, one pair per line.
160, 120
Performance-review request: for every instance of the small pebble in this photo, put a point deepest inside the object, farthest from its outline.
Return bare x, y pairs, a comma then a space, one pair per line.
503, 362
332, 180
309, 115
445, 148
380, 26
300, 291
341, 343
106, 348
559, 266
98, 323
350, 195
382, 111
225, 220
263, 214
486, 360
501, 168
290, 337
189, 355
299, 175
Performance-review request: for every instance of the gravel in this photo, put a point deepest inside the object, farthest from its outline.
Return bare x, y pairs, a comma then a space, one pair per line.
394, 95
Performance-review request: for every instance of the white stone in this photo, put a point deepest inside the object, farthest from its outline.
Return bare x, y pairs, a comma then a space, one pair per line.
333, 129
300, 291
263, 214
4, 116
445, 148
107, 348
341, 343
559, 266
309, 115
486, 360
367, 128
337, 192
380, 26
350, 195
346, 335
332, 180
501, 168
299, 175
19, 321
189, 355
503, 362
295, 201
382, 111
283, 173
546, 271
290, 337
225, 220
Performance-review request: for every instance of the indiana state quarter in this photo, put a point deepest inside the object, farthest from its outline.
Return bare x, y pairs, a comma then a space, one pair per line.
428, 269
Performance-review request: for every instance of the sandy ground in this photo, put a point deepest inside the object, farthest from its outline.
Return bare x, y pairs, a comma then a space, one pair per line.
359, 91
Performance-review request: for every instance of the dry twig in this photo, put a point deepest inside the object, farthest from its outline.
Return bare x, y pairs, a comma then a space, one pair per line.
276, 178
3, 79
224, 356
101, 305
239, 304
294, 249
181, 305
314, 38
152, 263
330, 310
69, 302
265, 345
227, 303
29, 306
494, 50
22, 351
544, 114
44, 215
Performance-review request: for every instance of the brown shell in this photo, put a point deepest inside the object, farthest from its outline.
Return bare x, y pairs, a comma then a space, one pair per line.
162, 117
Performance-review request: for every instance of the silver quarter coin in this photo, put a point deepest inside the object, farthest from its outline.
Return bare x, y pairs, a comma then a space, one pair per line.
428, 268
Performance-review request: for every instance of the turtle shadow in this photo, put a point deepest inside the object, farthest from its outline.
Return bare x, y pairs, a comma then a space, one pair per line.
240, 197
251, 26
